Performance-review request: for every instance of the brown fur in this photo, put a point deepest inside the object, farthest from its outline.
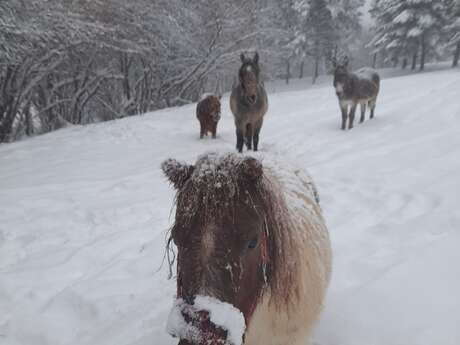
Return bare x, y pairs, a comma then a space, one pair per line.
208, 113
225, 203
248, 103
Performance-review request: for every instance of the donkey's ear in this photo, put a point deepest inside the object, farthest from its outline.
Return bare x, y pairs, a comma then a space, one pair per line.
256, 58
177, 173
242, 57
251, 169
334, 62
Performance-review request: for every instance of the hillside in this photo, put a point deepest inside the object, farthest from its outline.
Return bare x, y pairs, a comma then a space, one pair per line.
84, 213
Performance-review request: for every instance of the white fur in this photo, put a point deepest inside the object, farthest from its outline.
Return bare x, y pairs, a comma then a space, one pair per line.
339, 88
277, 323
346, 103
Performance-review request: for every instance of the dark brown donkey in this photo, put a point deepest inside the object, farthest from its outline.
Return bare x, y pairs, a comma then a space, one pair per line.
251, 236
360, 87
208, 113
248, 103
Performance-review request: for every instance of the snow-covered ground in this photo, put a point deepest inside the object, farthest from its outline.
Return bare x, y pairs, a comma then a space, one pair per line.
84, 213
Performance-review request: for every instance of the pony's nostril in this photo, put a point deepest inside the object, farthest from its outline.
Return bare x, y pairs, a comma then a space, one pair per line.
252, 99
189, 299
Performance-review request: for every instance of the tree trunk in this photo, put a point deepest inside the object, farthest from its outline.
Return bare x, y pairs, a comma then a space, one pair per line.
423, 54
8, 102
404, 63
414, 61
456, 55
28, 120
301, 69
316, 71
288, 71
374, 60
6, 126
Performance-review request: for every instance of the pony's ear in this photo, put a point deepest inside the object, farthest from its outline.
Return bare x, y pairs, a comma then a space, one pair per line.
256, 58
242, 57
177, 173
345, 62
251, 169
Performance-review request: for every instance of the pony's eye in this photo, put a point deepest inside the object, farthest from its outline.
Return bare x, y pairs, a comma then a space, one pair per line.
252, 243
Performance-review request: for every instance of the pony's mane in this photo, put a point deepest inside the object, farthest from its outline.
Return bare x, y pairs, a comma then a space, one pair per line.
214, 191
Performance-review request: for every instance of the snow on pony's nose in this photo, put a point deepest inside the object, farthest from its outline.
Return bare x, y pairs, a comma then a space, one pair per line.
208, 321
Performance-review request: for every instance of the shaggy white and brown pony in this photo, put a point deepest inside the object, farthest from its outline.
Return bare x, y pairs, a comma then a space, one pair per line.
208, 113
250, 233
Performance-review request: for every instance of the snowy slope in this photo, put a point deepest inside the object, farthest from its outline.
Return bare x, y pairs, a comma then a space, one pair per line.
84, 212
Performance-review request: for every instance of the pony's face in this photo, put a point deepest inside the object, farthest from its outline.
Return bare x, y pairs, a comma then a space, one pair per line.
222, 259
214, 104
221, 239
249, 77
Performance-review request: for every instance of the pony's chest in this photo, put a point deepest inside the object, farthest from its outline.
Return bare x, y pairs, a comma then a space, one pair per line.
270, 326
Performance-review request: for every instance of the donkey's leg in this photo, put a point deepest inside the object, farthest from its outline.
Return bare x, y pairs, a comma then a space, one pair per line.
239, 139
372, 106
363, 112
257, 129
344, 109
352, 115
249, 136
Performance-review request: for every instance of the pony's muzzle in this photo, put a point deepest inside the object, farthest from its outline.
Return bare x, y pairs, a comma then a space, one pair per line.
339, 89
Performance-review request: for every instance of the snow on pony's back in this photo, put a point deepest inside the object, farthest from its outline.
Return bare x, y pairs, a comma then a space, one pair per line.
249, 231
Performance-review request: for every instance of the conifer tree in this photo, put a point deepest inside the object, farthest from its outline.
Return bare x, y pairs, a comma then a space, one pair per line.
408, 27
452, 12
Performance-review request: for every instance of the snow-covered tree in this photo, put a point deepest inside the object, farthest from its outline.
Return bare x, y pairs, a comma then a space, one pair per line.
408, 27
317, 35
346, 15
452, 29
390, 36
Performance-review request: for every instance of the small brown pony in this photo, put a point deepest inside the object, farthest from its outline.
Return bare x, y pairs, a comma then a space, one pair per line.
252, 236
360, 87
208, 113
248, 103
